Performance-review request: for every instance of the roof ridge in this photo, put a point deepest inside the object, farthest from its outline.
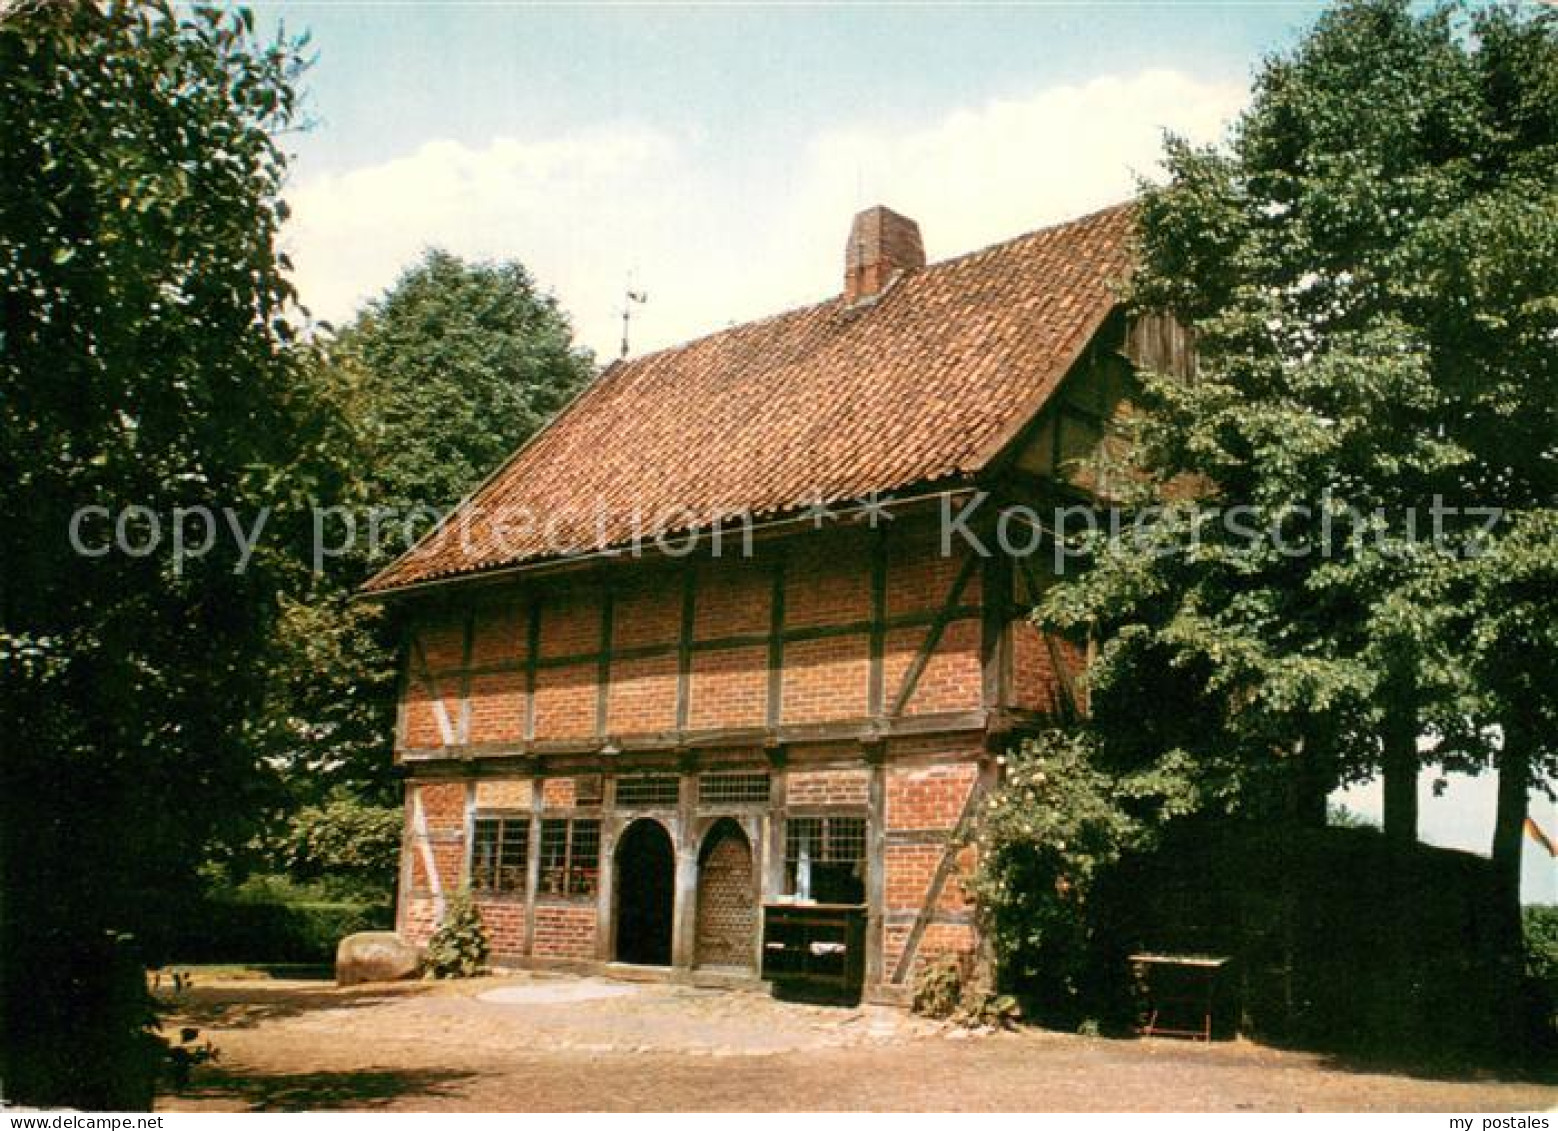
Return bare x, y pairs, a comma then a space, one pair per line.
819, 304
688, 343
1074, 222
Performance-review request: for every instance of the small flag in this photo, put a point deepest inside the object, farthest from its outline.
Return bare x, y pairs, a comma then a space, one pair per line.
1534, 831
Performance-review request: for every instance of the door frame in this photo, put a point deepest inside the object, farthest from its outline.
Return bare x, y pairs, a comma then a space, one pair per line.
624, 834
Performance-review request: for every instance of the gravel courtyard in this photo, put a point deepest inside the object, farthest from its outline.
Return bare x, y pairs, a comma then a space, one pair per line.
561, 1043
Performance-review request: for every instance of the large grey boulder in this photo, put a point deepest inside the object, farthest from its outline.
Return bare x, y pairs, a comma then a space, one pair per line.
374, 956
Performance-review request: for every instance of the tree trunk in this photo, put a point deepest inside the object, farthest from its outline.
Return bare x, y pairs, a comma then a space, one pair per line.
1400, 765
1311, 783
1514, 778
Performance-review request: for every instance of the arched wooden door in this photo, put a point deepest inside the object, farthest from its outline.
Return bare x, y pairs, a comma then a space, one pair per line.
727, 899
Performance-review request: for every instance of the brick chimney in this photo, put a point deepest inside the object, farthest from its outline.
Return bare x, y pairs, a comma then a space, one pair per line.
881, 244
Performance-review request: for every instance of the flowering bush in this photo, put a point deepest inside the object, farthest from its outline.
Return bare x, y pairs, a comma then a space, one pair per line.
1057, 824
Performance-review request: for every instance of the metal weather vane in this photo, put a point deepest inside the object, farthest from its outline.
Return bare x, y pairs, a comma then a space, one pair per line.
630, 297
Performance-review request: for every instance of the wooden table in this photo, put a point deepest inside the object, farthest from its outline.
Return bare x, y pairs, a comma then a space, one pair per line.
1185, 981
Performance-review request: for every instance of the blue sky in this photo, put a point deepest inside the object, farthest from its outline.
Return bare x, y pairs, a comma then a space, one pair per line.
714, 156
756, 80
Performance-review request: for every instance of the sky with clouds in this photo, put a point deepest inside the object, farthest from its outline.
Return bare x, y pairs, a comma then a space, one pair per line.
714, 156
711, 157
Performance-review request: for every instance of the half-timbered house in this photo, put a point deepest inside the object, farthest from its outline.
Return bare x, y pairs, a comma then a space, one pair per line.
718, 653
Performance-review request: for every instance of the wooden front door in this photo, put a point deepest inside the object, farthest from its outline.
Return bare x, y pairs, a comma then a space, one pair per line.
727, 899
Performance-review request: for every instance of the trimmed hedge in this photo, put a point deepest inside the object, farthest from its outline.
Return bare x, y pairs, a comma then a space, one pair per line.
221, 930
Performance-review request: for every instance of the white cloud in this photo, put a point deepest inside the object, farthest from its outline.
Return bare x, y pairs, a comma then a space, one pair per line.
714, 242
565, 208
983, 175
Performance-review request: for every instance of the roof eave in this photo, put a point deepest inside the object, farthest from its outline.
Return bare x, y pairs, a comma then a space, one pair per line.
937, 490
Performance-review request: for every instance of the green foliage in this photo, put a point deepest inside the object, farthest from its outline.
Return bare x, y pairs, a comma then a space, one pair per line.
947, 988
1366, 266
110, 1018
345, 839
276, 887
1541, 942
287, 932
442, 378
147, 358
458, 948
1057, 825
253, 926
328, 712
1341, 939
459, 364
1541, 935
990, 1010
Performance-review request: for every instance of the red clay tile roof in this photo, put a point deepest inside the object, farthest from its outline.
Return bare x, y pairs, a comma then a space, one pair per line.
828, 402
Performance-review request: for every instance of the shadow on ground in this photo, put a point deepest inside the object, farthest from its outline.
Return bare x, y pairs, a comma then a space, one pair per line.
234, 1007
289, 1047
315, 1091
1425, 1066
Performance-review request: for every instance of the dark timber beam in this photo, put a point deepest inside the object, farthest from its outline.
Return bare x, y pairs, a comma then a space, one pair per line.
532, 655
876, 678
776, 642
603, 663
911, 678
995, 634
960, 836
684, 646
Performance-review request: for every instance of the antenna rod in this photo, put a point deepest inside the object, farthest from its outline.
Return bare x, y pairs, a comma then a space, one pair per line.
629, 299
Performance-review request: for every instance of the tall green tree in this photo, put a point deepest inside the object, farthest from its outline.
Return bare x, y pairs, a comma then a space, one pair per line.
1366, 266
462, 363
147, 361
1510, 657
1478, 278
443, 376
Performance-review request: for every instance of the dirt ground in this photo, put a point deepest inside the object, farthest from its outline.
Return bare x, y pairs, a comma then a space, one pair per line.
533, 1043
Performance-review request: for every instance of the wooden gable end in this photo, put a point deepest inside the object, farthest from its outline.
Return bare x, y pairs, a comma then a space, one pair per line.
1076, 440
